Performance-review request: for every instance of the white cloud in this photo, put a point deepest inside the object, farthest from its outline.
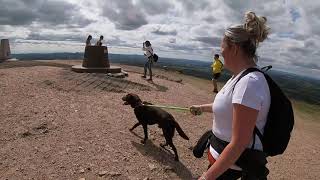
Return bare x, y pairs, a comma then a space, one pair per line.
176, 28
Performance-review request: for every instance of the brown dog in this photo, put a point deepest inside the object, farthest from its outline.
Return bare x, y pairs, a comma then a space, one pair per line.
148, 115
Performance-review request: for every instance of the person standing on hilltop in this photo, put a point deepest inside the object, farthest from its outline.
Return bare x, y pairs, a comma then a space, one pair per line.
99, 42
239, 107
146, 46
216, 70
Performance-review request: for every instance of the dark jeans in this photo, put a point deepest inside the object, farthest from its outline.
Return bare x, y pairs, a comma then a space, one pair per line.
148, 65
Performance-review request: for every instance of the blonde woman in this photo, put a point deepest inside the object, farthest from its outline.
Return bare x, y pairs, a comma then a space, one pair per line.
239, 106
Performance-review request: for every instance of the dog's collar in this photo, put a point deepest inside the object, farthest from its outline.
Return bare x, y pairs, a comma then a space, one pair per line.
138, 104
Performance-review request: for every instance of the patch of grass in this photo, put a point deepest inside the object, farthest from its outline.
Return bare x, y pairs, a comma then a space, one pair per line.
307, 111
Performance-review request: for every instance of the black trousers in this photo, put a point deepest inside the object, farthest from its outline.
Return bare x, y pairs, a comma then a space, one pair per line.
232, 174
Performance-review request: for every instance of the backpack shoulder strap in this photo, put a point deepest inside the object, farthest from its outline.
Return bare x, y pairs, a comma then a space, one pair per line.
256, 130
150, 51
249, 70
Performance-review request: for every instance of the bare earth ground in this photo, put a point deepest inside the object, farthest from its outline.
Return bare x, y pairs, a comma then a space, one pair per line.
57, 124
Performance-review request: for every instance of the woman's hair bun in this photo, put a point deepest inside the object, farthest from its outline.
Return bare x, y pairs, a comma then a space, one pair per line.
256, 26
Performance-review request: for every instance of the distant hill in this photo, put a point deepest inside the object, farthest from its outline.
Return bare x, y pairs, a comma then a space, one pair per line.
295, 86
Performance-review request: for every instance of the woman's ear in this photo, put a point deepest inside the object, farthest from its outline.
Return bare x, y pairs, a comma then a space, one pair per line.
236, 49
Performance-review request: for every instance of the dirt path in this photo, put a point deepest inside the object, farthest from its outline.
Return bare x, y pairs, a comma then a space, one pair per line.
56, 124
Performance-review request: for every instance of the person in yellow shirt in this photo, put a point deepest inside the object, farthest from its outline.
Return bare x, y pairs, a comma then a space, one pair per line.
216, 66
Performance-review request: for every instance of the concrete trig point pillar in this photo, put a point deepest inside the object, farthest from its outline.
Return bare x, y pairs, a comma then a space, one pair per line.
95, 56
96, 61
5, 52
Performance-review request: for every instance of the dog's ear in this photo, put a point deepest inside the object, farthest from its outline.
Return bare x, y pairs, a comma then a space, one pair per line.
136, 97
132, 97
126, 99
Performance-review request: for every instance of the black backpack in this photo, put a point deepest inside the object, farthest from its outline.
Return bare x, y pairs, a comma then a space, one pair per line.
155, 57
280, 120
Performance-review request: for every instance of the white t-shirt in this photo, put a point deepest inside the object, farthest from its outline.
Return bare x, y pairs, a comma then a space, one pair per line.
252, 91
149, 51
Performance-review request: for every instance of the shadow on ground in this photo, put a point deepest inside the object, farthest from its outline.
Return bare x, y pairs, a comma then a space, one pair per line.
158, 87
15, 64
87, 80
164, 157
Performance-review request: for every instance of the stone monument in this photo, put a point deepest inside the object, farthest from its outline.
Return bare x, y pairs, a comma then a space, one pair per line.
5, 52
96, 61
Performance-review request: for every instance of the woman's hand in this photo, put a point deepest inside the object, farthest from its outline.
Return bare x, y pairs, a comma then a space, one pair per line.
203, 177
196, 110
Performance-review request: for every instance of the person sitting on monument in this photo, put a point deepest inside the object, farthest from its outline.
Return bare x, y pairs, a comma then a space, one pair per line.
99, 42
88, 43
105, 55
105, 50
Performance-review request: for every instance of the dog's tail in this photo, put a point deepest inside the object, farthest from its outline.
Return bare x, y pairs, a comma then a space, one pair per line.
180, 132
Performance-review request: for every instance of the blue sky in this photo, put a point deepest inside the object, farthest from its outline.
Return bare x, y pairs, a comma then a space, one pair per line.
176, 28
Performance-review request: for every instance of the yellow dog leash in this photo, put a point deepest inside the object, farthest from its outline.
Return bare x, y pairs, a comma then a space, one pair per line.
169, 107
173, 107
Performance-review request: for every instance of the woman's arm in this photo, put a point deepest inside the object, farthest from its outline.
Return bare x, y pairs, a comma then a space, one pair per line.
143, 47
198, 109
244, 120
206, 107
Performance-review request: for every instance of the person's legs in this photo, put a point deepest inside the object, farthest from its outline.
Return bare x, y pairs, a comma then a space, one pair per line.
150, 67
145, 69
215, 86
85, 53
214, 81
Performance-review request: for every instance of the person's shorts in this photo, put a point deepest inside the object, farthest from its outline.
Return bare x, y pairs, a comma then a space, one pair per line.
216, 76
